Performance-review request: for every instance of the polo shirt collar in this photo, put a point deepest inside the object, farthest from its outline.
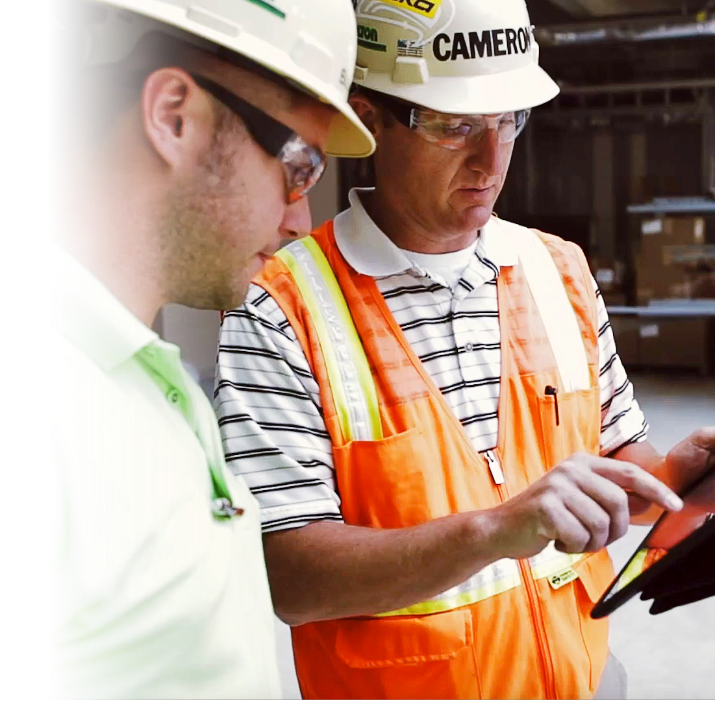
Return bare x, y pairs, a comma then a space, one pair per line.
91, 317
371, 252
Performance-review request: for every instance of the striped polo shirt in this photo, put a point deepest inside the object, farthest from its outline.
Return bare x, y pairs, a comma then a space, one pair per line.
268, 401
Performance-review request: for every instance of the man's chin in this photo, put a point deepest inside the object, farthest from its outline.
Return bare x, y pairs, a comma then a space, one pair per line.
236, 299
217, 300
477, 216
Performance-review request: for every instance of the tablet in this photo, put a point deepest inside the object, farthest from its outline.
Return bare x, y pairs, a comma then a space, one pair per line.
673, 536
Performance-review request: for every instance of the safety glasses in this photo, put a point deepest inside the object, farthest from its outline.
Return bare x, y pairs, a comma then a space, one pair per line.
452, 131
303, 164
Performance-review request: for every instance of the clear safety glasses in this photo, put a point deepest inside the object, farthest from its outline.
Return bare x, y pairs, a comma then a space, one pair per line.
452, 131
303, 164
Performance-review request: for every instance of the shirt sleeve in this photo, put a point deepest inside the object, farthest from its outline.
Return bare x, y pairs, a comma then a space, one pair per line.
270, 416
622, 421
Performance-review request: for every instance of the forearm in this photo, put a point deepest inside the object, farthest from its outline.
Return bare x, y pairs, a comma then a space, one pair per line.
329, 570
644, 455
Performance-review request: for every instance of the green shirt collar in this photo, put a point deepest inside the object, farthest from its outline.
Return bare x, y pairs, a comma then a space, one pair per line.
92, 318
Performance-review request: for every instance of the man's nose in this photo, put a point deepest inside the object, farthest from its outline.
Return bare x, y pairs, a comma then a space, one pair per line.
487, 156
297, 221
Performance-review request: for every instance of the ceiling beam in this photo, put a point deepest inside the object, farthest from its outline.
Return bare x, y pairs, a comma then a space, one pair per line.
578, 9
604, 8
581, 9
626, 30
574, 7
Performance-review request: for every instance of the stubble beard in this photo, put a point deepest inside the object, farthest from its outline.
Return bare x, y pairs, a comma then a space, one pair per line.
202, 270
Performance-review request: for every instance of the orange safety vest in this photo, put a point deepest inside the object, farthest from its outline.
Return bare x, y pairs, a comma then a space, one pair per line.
518, 629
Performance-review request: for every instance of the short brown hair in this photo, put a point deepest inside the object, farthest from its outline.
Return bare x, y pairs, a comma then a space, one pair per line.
98, 95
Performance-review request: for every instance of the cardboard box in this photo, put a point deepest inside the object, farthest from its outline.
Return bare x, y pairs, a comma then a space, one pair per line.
673, 262
678, 343
654, 280
685, 230
673, 230
696, 265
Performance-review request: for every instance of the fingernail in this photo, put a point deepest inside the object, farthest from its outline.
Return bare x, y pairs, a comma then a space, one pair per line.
674, 503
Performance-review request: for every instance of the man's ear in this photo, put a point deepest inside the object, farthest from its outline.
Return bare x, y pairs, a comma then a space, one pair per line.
369, 113
175, 115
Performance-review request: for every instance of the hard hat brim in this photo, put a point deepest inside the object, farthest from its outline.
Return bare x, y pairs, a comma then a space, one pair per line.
348, 135
518, 89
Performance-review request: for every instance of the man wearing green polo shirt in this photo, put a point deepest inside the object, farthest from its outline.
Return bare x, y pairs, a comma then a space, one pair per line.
195, 133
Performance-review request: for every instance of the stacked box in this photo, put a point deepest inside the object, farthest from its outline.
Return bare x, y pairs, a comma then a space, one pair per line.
673, 261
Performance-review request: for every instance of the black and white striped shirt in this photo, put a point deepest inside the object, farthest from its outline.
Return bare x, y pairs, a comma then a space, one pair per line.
268, 402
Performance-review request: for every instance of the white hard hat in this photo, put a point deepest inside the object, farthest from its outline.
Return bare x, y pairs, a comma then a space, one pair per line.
454, 56
311, 43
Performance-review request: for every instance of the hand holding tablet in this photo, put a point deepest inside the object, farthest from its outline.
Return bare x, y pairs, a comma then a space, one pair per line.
674, 565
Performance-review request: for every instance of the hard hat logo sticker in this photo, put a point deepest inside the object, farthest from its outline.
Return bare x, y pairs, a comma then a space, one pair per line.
427, 8
406, 47
419, 26
369, 38
489, 43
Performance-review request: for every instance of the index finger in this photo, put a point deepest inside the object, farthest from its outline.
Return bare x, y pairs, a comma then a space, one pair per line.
633, 478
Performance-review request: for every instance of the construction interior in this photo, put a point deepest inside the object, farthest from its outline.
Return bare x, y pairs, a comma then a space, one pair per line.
622, 163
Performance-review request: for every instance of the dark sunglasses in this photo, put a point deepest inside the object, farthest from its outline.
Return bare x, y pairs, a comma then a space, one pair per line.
303, 164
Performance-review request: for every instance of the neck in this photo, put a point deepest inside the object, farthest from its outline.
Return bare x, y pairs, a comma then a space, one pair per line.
114, 238
404, 227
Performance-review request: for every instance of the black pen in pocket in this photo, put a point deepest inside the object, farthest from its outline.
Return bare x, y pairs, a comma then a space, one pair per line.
551, 391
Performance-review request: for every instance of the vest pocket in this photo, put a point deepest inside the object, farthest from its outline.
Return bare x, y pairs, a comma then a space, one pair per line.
566, 423
384, 484
410, 657
409, 640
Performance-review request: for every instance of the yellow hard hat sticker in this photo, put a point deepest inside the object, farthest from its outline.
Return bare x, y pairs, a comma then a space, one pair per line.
426, 8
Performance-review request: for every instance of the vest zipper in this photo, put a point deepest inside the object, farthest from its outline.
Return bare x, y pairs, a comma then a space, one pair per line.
531, 595
540, 628
494, 467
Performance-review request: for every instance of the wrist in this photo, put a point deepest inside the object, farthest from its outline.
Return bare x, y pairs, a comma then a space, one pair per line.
481, 537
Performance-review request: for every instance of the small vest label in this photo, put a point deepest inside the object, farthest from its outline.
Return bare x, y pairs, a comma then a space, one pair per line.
560, 579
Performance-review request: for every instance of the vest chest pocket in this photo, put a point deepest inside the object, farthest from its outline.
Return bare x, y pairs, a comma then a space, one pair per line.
570, 423
388, 483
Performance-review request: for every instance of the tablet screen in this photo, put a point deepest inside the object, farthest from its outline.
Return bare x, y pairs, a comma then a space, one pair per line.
670, 531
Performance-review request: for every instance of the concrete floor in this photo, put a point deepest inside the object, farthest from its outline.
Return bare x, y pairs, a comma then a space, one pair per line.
671, 656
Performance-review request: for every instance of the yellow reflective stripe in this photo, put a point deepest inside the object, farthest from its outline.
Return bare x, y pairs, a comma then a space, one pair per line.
495, 579
349, 373
355, 347
502, 576
457, 601
553, 565
635, 567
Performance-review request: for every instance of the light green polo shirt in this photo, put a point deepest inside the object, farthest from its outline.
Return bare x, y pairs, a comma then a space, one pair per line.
158, 597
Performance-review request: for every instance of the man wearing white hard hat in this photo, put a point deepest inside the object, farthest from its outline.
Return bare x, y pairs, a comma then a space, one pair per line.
428, 401
193, 133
